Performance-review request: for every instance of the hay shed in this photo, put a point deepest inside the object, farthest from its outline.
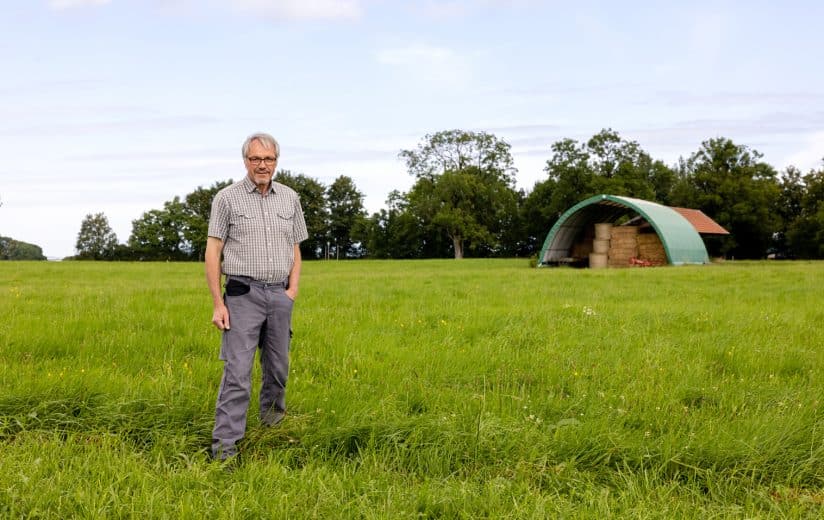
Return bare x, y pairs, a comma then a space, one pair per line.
679, 239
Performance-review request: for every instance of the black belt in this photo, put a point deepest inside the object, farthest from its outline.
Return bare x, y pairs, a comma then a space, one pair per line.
252, 281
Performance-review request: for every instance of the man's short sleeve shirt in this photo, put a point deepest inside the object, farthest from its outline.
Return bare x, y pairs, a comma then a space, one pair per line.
258, 233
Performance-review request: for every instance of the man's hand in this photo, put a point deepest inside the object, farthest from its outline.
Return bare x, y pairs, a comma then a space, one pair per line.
291, 293
221, 317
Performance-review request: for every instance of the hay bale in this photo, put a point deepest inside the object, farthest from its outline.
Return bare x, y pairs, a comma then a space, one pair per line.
651, 249
600, 246
603, 230
597, 260
624, 231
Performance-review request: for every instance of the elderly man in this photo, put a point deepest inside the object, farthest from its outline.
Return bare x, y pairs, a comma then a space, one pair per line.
257, 225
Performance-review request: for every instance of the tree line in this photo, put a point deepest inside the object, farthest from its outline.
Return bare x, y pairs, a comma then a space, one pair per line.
464, 202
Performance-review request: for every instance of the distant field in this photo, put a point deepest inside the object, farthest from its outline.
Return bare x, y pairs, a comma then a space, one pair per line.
423, 389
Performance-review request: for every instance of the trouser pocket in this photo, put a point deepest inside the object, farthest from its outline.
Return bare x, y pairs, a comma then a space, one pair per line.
236, 287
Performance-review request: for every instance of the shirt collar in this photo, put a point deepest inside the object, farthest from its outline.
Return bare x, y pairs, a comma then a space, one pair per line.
251, 186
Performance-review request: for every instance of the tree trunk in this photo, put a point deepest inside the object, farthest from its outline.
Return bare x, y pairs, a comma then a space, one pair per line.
457, 244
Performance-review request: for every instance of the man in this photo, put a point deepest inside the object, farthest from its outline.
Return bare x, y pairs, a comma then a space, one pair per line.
257, 225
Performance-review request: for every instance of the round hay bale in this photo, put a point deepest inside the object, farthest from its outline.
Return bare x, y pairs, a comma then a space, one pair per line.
600, 246
597, 260
603, 230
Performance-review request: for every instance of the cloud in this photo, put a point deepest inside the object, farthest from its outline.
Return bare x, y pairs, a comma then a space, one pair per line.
70, 4
303, 9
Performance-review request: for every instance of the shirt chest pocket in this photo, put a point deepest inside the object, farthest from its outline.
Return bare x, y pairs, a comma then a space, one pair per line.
243, 217
284, 222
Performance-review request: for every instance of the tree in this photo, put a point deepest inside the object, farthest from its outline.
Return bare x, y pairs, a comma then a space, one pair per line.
159, 234
394, 232
465, 190
470, 208
606, 163
96, 240
196, 211
739, 191
346, 214
787, 207
457, 150
537, 215
805, 236
11, 249
573, 178
313, 201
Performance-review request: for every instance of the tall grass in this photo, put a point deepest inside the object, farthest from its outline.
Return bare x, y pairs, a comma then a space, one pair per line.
436, 389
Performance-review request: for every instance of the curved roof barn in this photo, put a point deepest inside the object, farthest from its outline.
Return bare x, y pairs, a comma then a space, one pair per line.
680, 238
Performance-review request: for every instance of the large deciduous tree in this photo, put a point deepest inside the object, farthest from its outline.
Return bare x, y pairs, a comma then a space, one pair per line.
731, 184
805, 235
538, 215
196, 212
570, 171
96, 240
159, 234
394, 232
464, 189
346, 217
606, 163
11, 249
458, 150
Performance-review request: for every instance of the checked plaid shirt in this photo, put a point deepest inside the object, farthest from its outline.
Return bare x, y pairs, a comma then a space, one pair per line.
258, 233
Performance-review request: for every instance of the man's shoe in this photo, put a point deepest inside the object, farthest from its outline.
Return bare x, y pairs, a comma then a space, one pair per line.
230, 464
272, 418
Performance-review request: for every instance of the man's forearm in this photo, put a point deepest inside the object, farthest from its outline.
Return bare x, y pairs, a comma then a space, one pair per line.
294, 274
212, 257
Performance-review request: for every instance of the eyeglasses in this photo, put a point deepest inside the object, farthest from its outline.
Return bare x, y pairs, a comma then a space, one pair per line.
268, 161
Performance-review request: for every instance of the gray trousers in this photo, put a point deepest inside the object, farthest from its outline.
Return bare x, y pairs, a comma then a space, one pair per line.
260, 318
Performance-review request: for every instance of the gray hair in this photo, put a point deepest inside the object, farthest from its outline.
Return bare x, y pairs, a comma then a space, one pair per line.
265, 139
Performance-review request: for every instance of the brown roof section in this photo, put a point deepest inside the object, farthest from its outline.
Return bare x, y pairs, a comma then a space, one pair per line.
702, 223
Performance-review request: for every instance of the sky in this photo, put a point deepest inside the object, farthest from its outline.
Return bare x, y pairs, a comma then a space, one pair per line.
117, 106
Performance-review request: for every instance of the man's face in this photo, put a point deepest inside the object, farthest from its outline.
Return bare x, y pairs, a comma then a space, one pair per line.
266, 159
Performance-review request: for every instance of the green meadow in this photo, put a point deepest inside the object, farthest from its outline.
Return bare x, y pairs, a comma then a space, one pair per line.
422, 389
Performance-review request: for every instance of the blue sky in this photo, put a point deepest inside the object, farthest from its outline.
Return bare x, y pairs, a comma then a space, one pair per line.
116, 106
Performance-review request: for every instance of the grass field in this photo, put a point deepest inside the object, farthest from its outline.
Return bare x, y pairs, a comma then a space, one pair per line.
423, 389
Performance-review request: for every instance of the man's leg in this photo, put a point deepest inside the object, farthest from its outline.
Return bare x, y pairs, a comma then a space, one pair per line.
238, 346
274, 357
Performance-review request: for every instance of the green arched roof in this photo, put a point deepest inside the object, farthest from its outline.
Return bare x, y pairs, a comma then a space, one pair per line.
681, 241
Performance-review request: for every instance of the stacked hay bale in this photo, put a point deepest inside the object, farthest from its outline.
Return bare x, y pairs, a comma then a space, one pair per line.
651, 249
622, 246
600, 246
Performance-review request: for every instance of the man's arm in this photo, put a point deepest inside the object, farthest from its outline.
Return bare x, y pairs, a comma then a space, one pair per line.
294, 275
220, 317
